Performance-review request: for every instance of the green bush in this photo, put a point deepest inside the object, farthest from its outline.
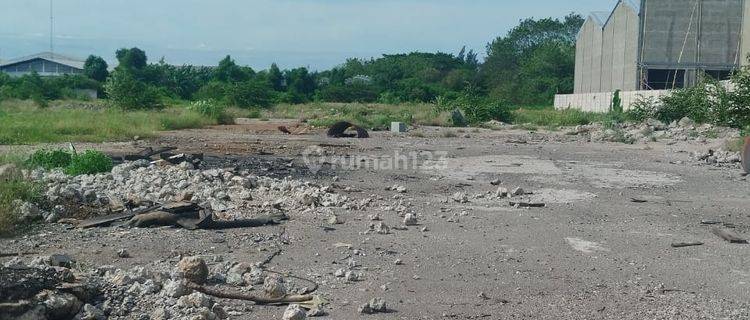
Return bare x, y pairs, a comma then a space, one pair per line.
10, 191
250, 94
694, 103
643, 109
213, 90
738, 110
49, 159
90, 162
128, 92
211, 109
616, 102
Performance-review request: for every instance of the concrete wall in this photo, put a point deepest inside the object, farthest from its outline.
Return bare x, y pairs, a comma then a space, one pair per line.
601, 101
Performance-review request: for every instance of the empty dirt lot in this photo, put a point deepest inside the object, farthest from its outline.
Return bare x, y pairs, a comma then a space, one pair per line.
600, 248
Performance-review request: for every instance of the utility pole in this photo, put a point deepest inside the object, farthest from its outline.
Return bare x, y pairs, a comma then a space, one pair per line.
51, 28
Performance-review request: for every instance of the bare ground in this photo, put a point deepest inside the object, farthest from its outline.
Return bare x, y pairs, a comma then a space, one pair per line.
591, 253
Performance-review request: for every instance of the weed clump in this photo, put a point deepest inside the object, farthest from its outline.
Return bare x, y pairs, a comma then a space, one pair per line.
89, 162
13, 190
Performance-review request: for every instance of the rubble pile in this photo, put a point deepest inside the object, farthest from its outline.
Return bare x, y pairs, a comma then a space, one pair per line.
55, 287
719, 158
653, 130
138, 184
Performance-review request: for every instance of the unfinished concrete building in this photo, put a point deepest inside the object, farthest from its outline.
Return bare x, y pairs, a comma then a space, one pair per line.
660, 44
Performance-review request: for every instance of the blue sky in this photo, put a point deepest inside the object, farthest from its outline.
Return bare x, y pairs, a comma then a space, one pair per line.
315, 33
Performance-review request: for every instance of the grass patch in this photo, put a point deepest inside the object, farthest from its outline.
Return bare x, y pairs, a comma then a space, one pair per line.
89, 162
11, 190
556, 118
371, 115
24, 123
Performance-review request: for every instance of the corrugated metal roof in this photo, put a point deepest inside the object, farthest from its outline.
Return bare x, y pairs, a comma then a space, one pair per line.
49, 56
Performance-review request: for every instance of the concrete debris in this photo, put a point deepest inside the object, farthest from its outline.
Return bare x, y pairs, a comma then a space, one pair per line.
334, 220
380, 228
460, 197
517, 192
340, 273
137, 185
274, 286
654, 130
718, 158
352, 276
410, 219
193, 269
375, 305
397, 188
294, 312
123, 253
501, 192
398, 127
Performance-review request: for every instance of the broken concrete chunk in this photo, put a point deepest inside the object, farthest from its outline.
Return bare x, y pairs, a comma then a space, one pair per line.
375, 305
410, 219
194, 269
340, 273
352, 276
460, 197
380, 228
334, 220
398, 127
517, 192
294, 312
501, 192
274, 286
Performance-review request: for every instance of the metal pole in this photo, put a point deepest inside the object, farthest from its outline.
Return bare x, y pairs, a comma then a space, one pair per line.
51, 29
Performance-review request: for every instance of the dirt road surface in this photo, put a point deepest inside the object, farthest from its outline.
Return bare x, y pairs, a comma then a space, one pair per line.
600, 248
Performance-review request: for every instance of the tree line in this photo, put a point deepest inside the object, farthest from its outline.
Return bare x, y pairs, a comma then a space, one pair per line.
528, 66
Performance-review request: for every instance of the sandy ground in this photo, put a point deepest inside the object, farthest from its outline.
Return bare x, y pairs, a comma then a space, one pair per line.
591, 253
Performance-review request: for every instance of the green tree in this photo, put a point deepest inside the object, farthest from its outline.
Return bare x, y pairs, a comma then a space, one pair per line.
300, 84
133, 58
535, 58
249, 94
128, 92
229, 71
276, 78
96, 68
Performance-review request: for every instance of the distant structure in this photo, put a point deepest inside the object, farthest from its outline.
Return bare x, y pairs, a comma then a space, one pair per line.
661, 44
46, 64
